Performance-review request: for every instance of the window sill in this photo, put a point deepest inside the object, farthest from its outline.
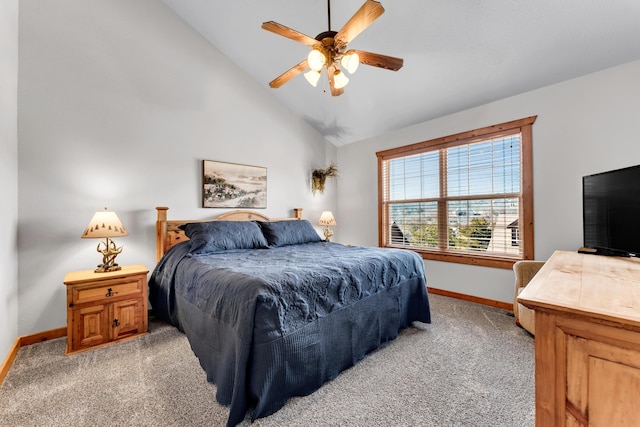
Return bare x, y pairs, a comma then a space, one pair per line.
505, 262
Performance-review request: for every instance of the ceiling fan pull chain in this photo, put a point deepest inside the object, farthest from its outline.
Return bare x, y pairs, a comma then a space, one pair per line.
324, 85
329, 13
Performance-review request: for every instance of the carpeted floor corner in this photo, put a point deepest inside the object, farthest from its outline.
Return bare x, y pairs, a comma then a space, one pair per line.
471, 367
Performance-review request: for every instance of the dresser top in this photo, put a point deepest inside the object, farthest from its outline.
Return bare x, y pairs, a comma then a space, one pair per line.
598, 286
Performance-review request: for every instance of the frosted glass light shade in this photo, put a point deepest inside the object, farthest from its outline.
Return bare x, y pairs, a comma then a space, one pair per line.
340, 80
316, 59
350, 61
312, 77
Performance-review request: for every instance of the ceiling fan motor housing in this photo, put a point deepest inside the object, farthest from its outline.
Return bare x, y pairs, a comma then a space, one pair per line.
329, 48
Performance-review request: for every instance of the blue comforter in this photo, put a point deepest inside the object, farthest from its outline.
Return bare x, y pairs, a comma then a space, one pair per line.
269, 324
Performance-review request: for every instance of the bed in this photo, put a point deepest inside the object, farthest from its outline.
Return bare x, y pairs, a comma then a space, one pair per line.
271, 310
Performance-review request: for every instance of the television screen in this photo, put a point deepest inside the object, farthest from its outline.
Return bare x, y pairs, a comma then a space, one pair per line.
611, 211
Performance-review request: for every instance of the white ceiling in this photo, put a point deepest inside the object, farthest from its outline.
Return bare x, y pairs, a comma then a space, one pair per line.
457, 53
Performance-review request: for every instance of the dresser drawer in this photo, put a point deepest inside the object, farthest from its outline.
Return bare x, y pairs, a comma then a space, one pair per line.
108, 289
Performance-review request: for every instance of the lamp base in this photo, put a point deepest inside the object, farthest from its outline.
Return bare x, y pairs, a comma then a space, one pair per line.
107, 268
328, 233
109, 254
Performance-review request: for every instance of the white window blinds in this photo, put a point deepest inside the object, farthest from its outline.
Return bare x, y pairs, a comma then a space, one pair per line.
458, 197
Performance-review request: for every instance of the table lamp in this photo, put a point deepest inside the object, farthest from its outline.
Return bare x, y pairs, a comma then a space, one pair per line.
106, 224
327, 219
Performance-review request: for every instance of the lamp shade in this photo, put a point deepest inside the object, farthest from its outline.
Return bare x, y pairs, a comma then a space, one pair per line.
350, 61
327, 219
340, 80
104, 224
312, 77
317, 58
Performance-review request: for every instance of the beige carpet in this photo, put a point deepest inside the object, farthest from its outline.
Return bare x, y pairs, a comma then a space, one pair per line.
471, 367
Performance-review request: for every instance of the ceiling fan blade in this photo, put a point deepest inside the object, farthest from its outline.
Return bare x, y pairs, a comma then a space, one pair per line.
368, 12
289, 74
380, 61
289, 33
331, 72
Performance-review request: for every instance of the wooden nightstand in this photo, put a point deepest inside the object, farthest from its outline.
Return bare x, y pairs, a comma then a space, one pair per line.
103, 308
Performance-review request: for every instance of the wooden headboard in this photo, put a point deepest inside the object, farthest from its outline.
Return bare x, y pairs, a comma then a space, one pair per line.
169, 234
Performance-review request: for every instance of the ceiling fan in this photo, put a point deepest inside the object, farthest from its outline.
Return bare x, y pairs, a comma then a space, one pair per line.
329, 50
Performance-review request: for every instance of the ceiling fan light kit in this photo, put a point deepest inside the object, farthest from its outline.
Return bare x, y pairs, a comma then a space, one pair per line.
350, 61
317, 58
329, 50
313, 77
339, 79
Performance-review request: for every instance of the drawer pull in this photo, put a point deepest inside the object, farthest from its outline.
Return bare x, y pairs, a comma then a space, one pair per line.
110, 293
116, 323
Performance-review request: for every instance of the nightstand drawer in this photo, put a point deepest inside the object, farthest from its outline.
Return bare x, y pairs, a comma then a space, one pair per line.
107, 289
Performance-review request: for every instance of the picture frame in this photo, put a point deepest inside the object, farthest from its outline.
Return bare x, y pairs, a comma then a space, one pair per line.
233, 185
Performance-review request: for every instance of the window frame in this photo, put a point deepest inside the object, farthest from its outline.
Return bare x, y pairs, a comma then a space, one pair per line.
525, 218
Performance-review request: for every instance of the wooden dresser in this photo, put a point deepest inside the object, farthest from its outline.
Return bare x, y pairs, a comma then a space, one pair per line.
587, 344
103, 308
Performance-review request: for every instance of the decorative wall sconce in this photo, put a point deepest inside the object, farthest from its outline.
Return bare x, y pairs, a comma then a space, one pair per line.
319, 177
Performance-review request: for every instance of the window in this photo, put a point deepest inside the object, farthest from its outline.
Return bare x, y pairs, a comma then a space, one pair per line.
464, 198
515, 233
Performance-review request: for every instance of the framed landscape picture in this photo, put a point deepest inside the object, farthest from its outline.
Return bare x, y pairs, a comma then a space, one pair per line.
230, 185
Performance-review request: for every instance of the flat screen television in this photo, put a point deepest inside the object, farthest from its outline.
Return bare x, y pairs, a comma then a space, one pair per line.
611, 212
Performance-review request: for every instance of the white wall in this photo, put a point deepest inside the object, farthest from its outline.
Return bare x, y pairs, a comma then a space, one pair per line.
8, 174
119, 103
585, 125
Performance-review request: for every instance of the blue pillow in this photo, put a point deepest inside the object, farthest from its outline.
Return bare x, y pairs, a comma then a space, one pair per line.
294, 232
216, 236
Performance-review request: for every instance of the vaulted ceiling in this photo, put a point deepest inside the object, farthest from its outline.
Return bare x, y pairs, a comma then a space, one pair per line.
457, 54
